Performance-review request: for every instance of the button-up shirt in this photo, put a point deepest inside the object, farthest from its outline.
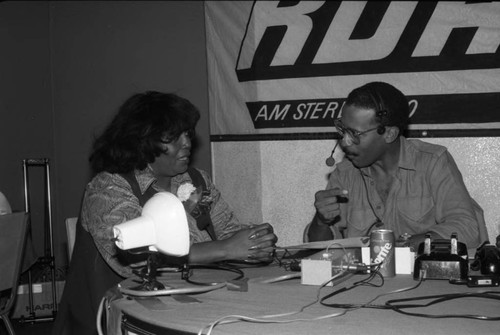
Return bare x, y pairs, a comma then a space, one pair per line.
109, 201
428, 194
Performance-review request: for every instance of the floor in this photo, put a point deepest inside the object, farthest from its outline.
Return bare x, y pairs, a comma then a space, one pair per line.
26, 328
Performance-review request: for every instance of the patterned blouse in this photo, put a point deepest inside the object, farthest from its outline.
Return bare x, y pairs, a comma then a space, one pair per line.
109, 201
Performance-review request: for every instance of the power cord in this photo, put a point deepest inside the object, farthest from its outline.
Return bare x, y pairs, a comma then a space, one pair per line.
170, 291
400, 308
187, 272
336, 279
396, 305
271, 318
364, 282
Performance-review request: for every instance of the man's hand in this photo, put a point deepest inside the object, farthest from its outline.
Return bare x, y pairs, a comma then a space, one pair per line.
327, 204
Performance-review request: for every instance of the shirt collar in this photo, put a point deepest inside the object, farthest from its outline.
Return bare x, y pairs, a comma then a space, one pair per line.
407, 157
146, 178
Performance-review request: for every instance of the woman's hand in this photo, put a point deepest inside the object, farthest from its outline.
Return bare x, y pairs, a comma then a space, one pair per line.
254, 243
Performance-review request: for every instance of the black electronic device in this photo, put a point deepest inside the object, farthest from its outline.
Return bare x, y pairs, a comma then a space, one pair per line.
487, 259
487, 262
486, 280
442, 259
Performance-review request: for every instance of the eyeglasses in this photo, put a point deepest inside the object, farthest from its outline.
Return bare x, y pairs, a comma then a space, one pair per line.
355, 135
190, 133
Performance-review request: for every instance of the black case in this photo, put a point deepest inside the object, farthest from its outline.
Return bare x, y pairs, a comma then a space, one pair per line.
442, 262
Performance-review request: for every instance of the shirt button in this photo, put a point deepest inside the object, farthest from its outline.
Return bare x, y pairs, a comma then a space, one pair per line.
379, 207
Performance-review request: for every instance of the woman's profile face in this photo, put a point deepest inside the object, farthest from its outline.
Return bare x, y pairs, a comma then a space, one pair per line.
175, 158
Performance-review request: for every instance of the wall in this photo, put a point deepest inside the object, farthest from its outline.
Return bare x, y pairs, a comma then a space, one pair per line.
281, 178
26, 114
69, 65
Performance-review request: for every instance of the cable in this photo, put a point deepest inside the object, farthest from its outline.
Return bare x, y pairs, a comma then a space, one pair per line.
369, 303
187, 271
99, 316
266, 318
185, 290
249, 319
371, 205
279, 278
337, 243
364, 282
392, 304
341, 276
186, 274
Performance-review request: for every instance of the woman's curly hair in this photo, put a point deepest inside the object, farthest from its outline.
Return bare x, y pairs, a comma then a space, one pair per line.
133, 138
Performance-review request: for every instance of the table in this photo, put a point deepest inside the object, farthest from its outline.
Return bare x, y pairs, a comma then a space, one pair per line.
172, 315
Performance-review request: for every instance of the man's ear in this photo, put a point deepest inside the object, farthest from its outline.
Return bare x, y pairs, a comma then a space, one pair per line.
391, 134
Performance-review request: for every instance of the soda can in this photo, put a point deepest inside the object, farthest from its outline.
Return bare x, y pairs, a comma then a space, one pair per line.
382, 251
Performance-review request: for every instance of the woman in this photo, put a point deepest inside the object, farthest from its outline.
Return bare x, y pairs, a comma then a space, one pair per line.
146, 149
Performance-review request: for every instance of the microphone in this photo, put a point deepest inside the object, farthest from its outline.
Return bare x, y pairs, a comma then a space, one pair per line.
330, 161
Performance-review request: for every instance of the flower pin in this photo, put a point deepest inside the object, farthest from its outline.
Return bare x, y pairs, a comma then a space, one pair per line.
185, 190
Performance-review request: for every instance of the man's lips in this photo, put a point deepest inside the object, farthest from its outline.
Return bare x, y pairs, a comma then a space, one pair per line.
350, 155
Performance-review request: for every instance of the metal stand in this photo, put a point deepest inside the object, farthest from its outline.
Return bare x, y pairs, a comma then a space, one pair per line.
47, 260
148, 275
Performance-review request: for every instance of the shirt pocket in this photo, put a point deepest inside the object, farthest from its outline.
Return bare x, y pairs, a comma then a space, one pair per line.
417, 209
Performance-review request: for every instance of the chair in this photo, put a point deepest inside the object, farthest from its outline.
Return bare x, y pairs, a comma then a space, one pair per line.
13, 228
70, 234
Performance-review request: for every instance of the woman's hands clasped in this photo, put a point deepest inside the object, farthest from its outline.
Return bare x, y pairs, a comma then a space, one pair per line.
256, 243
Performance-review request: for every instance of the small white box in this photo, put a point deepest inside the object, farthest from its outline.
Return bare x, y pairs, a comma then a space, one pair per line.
405, 259
316, 271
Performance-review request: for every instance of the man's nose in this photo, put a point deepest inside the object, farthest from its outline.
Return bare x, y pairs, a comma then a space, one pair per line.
346, 140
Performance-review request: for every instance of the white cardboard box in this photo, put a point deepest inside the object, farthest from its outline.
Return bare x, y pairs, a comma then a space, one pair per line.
405, 259
42, 299
316, 271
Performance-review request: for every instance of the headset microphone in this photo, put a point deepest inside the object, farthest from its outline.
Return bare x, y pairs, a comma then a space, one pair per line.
330, 161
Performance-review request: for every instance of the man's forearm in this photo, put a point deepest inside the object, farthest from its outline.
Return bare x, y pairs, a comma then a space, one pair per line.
319, 231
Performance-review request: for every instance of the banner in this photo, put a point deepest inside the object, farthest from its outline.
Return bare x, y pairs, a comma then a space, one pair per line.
284, 67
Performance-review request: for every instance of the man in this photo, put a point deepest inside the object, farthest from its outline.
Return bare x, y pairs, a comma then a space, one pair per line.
387, 181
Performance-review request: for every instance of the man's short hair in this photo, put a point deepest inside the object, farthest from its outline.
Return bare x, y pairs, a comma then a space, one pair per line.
390, 104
